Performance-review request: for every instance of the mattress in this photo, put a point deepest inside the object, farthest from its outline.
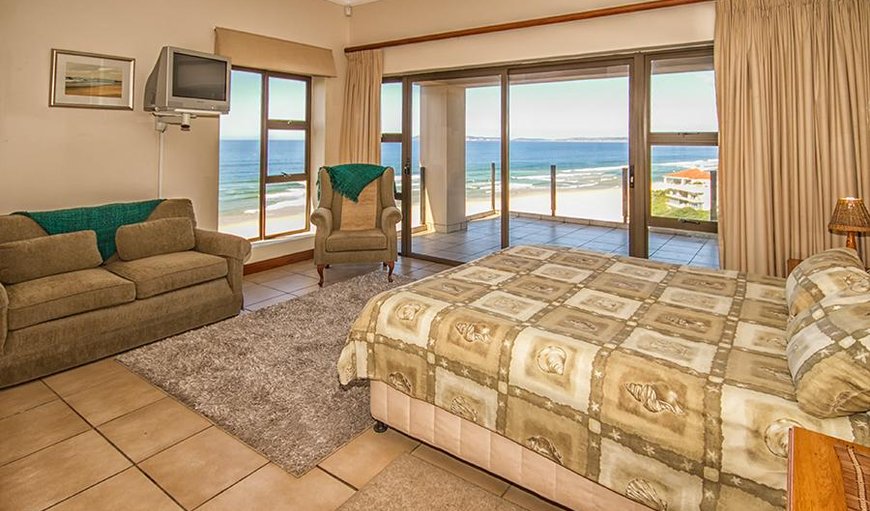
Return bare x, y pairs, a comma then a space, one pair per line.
665, 384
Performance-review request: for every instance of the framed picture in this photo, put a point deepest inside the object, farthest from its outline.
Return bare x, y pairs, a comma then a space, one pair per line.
89, 80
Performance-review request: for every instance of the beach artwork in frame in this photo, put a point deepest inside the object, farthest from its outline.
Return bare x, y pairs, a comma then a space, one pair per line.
89, 80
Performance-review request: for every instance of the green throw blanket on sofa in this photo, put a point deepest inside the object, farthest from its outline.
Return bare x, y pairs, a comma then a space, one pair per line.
104, 220
350, 179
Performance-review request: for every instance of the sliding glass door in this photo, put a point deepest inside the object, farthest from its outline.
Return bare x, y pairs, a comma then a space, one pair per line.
683, 153
453, 167
569, 157
615, 155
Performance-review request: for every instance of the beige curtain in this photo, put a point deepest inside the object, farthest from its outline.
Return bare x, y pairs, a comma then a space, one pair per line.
793, 89
361, 121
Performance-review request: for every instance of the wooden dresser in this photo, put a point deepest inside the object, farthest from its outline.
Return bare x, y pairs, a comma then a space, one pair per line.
826, 473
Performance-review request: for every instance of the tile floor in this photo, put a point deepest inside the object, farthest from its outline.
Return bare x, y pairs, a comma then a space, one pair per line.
100, 437
294, 280
484, 236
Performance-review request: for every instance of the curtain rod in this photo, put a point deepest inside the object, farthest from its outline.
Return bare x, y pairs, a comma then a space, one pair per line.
536, 22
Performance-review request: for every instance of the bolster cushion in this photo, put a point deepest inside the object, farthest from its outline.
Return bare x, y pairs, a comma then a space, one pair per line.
828, 357
24, 260
154, 237
821, 275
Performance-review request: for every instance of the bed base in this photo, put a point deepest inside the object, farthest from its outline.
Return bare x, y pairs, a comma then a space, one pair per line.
492, 452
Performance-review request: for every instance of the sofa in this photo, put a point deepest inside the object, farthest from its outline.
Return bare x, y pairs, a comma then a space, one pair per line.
63, 303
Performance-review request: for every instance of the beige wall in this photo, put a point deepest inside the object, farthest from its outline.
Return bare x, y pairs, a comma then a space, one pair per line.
62, 157
377, 22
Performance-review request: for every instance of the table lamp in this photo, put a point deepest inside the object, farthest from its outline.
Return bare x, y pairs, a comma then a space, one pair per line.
851, 217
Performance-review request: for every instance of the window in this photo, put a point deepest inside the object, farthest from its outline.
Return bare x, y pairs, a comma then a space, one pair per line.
683, 139
264, 156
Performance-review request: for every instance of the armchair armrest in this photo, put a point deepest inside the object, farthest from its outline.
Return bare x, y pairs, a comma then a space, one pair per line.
322, 218
221, 244
4, 324
390, 216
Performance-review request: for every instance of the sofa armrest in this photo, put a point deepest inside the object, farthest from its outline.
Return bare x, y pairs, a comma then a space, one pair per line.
4, 309
390, 216
322, 218
224, 245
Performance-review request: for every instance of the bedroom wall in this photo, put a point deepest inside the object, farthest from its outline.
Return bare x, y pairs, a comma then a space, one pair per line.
63, 157
377, 21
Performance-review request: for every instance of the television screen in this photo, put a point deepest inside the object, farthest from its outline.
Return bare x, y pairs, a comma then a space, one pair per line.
199, 77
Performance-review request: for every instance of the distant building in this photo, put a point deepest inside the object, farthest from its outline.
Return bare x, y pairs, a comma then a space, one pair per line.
689, 188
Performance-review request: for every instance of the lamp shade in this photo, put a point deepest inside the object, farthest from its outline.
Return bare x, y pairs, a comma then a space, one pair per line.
850, 215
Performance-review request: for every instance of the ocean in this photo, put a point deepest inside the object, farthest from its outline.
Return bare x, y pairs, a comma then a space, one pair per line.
580, 165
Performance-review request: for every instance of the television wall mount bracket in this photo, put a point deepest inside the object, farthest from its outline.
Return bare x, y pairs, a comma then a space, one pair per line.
180, 117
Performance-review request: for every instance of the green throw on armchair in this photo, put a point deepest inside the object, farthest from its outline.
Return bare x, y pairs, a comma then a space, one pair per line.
356, 232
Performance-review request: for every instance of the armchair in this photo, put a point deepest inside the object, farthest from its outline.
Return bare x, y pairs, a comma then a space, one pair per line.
356, 232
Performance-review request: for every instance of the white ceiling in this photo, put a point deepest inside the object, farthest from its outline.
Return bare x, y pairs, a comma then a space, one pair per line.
352, 2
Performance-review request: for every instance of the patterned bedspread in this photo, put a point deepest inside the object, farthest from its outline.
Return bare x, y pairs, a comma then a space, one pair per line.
666, 384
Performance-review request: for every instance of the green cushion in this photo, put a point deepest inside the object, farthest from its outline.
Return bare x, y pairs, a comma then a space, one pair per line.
155, 237
35, 258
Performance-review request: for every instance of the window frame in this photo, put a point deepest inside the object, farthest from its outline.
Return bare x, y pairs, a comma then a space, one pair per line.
661, 138
397, 139
267, 124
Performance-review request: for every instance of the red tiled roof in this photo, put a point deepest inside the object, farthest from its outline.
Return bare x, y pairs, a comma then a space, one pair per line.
690, 174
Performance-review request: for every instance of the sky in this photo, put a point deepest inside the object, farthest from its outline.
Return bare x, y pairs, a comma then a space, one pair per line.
555, 110
286, 101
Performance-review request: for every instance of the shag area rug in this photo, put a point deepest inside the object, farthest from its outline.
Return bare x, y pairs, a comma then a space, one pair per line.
411, 484
269, 376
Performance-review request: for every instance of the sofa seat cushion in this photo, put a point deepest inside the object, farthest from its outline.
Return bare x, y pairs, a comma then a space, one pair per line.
167, 272
57, 296
344, 241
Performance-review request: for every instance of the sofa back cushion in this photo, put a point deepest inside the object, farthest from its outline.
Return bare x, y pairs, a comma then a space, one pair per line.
362, 215
821, 275
172, 208
19, 227
35, 258
154, 237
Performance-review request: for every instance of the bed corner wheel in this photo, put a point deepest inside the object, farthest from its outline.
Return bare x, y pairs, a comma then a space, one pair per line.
320, 268
380, 427
391, 265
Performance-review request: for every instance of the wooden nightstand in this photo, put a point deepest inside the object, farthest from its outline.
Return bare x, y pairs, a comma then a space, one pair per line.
791, 264
826, 473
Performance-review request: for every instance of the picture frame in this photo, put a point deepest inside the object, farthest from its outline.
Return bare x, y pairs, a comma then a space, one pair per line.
91, 80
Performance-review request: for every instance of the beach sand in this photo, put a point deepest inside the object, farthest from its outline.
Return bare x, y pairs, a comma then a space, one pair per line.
591, 204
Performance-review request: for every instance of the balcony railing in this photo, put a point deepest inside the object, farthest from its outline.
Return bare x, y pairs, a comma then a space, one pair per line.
553, 182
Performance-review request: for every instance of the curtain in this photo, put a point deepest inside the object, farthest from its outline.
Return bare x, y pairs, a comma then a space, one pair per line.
793, 94
361, 121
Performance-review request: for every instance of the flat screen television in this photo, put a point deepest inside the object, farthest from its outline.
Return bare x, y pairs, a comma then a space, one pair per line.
188, 80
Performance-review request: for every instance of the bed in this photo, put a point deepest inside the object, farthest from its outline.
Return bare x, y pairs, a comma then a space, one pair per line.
599, 382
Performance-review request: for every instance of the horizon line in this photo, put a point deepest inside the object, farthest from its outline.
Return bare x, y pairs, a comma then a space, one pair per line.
493, 139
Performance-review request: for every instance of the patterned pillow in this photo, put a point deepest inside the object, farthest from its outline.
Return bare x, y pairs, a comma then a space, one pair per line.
824, 274
828, 355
